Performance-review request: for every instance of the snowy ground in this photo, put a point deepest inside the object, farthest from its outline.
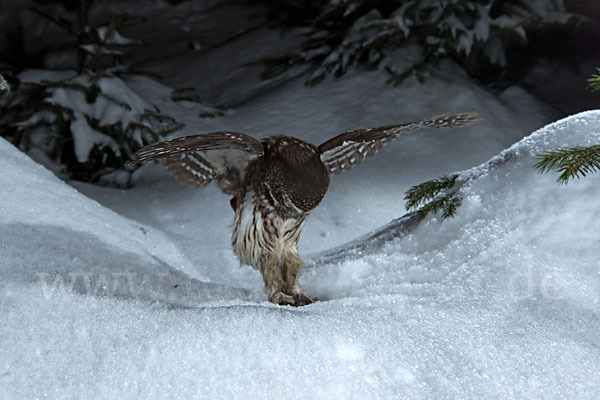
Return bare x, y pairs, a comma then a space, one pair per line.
109, 294
500, 302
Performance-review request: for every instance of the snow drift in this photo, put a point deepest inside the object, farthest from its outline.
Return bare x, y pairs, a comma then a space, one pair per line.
498, 302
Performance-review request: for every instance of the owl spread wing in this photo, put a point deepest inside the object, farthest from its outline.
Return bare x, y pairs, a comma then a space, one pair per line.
199, 159
348, 149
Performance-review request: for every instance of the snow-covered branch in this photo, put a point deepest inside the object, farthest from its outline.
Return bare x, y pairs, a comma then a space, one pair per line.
4, 86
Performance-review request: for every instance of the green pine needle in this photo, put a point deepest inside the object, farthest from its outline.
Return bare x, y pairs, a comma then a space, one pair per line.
428, 194
447, 204
426, 191
575, 162
594, 81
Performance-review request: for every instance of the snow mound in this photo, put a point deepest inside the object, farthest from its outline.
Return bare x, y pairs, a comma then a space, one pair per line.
36, 198
498, 302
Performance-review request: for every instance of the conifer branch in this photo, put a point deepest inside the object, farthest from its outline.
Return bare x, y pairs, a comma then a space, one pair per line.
61, 22
448, 204
428, 194
103, 42
124, 71
397, 78
349, 32
116, 101
575, 162
594, 81
35, 111
4, 86
426, 191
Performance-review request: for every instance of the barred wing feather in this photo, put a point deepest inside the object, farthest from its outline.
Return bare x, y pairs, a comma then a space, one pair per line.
199, 159
348, 149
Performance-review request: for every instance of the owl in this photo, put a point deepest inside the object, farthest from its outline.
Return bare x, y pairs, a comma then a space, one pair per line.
274, 184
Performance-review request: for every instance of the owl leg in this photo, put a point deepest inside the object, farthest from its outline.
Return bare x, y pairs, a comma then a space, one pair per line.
291, 275
274, 281
281, 281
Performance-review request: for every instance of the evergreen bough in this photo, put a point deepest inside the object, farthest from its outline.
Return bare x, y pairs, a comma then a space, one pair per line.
4, 86
476, 34
573, 162
434, 196
86, 122
594, 81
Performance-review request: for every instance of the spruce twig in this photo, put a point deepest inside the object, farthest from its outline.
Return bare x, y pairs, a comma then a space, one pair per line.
61, 22
426, 191
575, 162
103, 42
434, 195
448, 204
4, 86
116, 101
34, 112
594, 81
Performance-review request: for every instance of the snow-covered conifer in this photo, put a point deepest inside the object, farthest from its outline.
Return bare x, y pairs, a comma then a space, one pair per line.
4, 86
473, 33
84, 122
573, 162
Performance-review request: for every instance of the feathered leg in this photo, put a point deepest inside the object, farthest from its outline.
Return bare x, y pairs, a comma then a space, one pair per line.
291, 274
269, 243
281, 280
273, 278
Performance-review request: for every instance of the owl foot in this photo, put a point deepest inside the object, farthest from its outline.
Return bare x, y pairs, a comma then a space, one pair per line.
295, 300
303, 300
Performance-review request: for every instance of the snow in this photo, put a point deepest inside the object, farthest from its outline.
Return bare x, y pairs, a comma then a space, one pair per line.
86, 137
113, 37
107, 293
4, 86
94, 48
116, 103
104, 108
38, 199
499, 302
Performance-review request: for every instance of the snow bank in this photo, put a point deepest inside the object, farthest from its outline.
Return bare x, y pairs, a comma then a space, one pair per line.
36, 198
499, 302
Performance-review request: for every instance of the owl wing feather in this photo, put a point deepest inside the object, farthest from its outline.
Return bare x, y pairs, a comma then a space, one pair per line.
348, 149
197, 160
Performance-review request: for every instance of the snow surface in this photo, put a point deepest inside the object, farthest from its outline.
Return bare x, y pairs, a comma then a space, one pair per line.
137, 294
499, 302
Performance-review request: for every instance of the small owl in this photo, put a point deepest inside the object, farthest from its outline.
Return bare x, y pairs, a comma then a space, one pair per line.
275, 183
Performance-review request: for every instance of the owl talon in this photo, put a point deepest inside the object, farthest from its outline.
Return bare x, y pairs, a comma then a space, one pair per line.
282, 299
303, 300
296, 300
